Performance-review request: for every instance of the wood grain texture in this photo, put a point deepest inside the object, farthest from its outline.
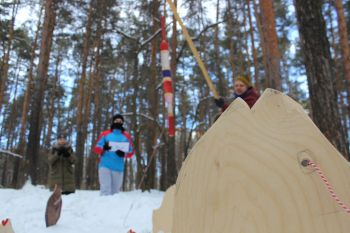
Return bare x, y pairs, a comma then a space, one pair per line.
244, 174
53, 207
162, 218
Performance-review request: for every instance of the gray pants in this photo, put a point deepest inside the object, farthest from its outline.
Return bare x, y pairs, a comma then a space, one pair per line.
110, 181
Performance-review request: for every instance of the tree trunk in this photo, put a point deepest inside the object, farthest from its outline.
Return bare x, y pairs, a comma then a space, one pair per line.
6, 57
337, 68
52, 108
13, 119
272, 55
93, 81
18, 174
13, 112
28, 91
153, 103
134, 124
222, 85
229, 29
184, 108
4, 172
80, 141
255, 55
171, 161
96, 129
262, 43
344, 44
316, 50
32, 152
245, 38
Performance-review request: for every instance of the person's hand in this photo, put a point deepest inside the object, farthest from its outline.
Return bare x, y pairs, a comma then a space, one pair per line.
106, 147
66, 153
61, 150
219, 102
54, 150
120, 153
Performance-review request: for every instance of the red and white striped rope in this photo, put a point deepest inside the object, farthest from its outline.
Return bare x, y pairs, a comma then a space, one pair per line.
329, 187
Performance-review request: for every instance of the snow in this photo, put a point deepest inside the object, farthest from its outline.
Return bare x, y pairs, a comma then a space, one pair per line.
82, 212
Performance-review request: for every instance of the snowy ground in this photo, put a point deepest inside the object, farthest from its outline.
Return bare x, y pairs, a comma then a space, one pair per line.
82, 212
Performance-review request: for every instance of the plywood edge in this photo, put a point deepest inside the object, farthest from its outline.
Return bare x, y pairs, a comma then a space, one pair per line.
162, 218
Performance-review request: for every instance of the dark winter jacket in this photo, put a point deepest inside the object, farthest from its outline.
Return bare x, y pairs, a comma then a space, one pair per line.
250, 97
61, 168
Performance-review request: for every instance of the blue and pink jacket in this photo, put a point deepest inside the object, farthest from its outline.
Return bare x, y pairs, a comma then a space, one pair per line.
109, 159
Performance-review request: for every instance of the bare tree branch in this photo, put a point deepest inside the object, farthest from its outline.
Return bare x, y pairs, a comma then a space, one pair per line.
11, 153
137, 40
196, 38
126, 35
151, 38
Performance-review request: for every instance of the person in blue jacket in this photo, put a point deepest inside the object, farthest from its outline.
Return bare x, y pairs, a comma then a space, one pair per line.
113, 147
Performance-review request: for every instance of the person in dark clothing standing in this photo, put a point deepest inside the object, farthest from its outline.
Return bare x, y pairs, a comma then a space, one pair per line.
61, 166
244, 89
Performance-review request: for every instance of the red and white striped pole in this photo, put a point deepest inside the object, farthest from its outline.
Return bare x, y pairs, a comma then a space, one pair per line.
167, 81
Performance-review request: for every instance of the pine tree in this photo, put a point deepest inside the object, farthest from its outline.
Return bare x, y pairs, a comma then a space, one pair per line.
32, 152
316, 50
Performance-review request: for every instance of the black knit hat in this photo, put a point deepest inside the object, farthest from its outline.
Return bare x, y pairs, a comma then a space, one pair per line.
61, 135
118, 116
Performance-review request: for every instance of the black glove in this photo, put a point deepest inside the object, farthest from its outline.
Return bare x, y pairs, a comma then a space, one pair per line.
106, 147
54, 150
220, 102
61, 150
120, 153
66, 153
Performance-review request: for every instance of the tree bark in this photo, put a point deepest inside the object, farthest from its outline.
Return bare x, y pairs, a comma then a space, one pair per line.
28, 92
32, 152
91, 171
80, 141
245, 38
255, 55
13, 111
222, 85
230, 33
316, 50
262, 43
52, 108
18, 174
153, 103
6, 57
337, 68
344, 45
171, 161
134, 126
272, 54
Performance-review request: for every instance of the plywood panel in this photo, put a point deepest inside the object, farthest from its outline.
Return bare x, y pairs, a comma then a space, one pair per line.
244, 174
6, 226
162, 218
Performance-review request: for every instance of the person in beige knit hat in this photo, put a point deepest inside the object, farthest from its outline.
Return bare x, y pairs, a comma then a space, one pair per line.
242, 84
244, 89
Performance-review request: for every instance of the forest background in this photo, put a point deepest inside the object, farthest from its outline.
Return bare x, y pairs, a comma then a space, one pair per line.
68, 66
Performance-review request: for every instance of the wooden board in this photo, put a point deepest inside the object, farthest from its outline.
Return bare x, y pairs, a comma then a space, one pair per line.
53, 207
245, 174
162, 218
6, 226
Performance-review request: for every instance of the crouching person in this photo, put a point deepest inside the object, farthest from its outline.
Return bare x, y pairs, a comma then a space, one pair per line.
61, 166
112, 147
